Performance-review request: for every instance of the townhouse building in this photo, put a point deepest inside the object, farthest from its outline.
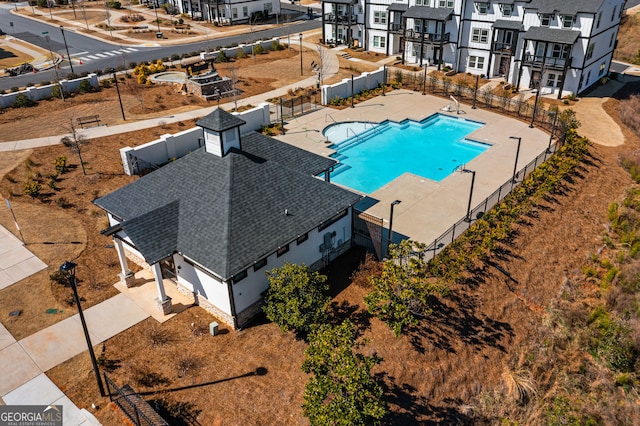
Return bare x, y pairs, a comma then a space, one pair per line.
225, 12
558, 46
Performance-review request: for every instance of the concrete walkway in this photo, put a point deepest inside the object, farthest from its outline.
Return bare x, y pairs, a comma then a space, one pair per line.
23, 363
16, 261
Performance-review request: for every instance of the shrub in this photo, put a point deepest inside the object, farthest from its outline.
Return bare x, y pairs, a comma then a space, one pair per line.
114, 4
258, 49
61, 164
56, 92
629, 111
175, 57
59, 278
23, 101
85, 87
32, 188
296, 298
159, 336
222, 57
15, 89
276, 46
241, 54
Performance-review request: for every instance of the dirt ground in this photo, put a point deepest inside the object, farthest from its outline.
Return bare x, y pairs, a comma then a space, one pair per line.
436, 374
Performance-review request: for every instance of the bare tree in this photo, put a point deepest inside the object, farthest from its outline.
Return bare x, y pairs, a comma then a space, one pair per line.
75, 142
322, 62
233, 75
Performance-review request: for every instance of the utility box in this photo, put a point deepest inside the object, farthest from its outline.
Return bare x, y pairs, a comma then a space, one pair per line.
158, 35
213, 328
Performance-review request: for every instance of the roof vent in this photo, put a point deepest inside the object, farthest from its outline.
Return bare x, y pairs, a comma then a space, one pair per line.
286, 212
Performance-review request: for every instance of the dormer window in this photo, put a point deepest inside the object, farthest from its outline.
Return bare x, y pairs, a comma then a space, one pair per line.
445, 3
482, 7
506, 9
567, 21
545, 19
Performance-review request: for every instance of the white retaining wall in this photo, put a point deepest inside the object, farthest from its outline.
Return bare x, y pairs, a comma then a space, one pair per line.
367, 80
44, 92
232, 52
159, 151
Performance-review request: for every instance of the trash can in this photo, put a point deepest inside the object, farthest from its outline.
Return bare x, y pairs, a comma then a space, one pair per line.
158, 35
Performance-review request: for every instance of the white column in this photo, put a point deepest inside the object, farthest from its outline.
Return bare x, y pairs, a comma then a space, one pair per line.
157, 274
124, 265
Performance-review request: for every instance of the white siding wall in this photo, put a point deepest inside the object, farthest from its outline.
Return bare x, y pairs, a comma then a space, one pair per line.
202, 283
249, 290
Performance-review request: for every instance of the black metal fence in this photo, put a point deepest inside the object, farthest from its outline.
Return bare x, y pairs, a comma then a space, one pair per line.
298, 105
467, 91
133, 406
485, 205
368, 232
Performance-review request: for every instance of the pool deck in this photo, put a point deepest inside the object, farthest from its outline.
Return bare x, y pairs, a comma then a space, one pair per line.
428, 208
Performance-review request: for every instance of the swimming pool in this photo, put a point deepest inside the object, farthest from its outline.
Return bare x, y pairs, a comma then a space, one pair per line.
431, 148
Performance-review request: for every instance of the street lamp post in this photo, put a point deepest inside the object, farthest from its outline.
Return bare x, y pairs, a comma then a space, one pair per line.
115, 78
393, 204
300, 36
553, 131
69, 269
424, 79
515, 165
155, 8
473, 180
66, 48
535, 103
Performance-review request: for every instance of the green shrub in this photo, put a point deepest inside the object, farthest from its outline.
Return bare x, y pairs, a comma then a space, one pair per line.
222, 57
258, 49
61, 164
56, 92
85, 87
32, 188
114, 4
23, 101
241, 54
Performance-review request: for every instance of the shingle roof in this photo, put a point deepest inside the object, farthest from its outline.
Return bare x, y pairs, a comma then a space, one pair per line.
398, 7
568, 7
288, 155
430, 13
224, 212
219, 121
551, 35
507, 24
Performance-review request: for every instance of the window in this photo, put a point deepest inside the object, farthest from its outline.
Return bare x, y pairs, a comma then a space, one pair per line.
418, 2
234, 13
545, 19
560, 51
445, 3
379, 17
282, 250
553, 80
567, 21
476, 62
613, 37
479, 35
603, 67
302, 238
590, 48
260, 264
482, 7
245, 11
343, 213
599, 19
613, 15
379, 41
417, 25
506, 9
268, 7
240, 276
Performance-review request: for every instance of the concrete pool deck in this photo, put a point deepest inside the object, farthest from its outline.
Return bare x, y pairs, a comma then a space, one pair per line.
428, 208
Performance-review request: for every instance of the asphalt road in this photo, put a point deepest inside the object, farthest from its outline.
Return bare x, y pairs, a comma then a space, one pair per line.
33, 32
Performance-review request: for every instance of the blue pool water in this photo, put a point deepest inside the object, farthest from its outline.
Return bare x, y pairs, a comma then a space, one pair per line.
432, 149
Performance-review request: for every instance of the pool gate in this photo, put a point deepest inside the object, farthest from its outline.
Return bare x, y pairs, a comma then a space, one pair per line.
368, 232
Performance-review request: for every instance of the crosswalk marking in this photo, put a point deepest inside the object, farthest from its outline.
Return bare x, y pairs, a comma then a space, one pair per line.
94, 56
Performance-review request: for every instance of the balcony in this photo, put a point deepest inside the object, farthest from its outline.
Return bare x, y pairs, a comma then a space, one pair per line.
330, 18
536, 62
429, 38
504, 48
396, 28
